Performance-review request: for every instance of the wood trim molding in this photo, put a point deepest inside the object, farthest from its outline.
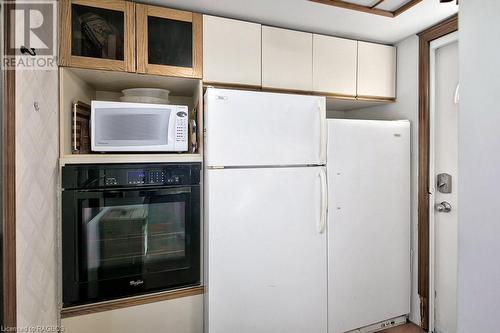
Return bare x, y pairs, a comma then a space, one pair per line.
64, 38
105, 4
197, 45
370, 9
128, 302
169, 13
129, 42
141, 27
9, 174
405, 7
375, 98
236, 86
425, 38
377, 3
223, 85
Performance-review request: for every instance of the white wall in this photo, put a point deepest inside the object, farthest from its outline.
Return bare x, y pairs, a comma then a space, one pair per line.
406, 107
479, 168
37, 173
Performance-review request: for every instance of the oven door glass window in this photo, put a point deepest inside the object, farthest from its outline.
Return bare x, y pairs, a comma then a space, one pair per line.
131, 233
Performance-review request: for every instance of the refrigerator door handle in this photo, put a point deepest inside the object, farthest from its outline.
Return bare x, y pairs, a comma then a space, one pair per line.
323, 134
324, 201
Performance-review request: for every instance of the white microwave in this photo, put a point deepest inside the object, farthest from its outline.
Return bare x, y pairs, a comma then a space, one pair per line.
138, 127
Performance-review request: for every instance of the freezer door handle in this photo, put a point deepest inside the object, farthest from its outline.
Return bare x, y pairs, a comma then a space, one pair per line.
324, 201
323, 133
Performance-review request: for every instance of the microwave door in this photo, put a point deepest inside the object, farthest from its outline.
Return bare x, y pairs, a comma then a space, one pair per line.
121, 127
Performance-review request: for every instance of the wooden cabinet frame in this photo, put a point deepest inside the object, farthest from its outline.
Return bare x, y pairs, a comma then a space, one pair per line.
65, 47
143, 12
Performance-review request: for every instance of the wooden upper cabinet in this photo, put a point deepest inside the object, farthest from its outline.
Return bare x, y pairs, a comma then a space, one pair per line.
376, 71
231, 51
286, 59
169, 42
334, 65
97, 34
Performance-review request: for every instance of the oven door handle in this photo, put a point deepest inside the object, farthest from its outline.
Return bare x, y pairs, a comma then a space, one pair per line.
113, 194
169, 191
150, 192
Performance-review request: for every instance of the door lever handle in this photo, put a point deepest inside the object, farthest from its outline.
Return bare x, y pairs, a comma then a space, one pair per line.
443, 207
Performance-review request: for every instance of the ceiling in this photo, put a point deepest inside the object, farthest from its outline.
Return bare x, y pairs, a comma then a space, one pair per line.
315, 17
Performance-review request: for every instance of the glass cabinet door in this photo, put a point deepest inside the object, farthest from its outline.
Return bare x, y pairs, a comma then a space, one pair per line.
169, 43
98, 34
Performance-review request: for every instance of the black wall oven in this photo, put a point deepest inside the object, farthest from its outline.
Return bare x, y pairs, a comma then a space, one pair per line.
129, 229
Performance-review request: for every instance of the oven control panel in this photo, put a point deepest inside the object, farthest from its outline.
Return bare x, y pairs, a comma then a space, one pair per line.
136, 177
146, 177
131, 175
153, 177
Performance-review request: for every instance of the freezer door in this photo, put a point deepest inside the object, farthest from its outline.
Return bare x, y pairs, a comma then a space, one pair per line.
368, 167
250, 128
267, 264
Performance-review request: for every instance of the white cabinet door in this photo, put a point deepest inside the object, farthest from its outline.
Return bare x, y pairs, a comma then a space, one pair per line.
376, 70
286, 59
267, 265
334, 65
231, 51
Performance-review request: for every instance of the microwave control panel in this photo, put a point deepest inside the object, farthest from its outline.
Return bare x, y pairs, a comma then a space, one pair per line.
181, 127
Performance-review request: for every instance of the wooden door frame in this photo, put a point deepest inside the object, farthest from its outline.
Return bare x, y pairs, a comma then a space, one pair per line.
9, 174
425, 38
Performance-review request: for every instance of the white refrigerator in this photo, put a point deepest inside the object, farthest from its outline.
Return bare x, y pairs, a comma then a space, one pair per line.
265, 213
368, 165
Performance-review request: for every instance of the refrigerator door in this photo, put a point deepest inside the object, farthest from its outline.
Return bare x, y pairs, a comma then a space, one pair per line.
267, 264
368, 165
251, 128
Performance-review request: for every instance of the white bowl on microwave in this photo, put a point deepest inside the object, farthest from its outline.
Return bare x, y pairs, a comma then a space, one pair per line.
149, 92
143, 99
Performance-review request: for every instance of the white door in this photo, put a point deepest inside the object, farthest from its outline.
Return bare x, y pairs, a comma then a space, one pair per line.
267, 265
248, 128
286, 59
445, 161
231, 51
368, 167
